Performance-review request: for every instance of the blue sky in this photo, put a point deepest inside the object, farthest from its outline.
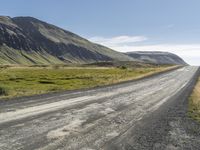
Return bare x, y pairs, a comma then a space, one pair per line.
124, 25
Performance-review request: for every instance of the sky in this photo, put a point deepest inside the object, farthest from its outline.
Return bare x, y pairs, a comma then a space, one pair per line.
123, 25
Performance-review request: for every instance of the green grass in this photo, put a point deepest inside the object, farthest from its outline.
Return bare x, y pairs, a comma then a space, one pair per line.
12, 56
194, 103
24, 81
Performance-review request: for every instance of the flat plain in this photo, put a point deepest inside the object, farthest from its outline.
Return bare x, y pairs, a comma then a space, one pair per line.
26, 81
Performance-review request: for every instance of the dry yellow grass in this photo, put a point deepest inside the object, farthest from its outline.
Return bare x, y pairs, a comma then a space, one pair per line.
194, 102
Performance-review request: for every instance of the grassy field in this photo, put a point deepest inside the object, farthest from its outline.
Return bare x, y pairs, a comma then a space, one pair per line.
24, 81
194, 103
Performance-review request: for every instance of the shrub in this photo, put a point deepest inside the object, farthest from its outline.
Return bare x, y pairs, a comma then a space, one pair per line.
2, 91
123, 67
56, 67
46, 82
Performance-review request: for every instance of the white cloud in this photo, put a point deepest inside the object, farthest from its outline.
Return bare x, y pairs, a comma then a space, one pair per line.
169, 26
118, 40
189, 52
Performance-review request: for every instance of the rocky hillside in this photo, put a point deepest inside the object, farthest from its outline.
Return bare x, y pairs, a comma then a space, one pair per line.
26, 40
156, 57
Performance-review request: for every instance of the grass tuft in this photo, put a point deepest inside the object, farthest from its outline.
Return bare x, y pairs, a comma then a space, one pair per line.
3, 91
194, 103
46, 82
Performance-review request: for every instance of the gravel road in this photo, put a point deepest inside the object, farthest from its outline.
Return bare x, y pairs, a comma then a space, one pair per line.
144, 114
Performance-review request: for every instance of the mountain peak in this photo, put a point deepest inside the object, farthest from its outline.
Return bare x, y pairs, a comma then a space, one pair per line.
6, 20
27, 19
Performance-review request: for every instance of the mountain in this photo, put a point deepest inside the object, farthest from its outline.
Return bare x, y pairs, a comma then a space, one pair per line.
26, 40
157, 57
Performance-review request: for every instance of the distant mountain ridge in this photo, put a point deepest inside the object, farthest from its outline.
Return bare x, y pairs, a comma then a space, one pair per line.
157, 57
27, 40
